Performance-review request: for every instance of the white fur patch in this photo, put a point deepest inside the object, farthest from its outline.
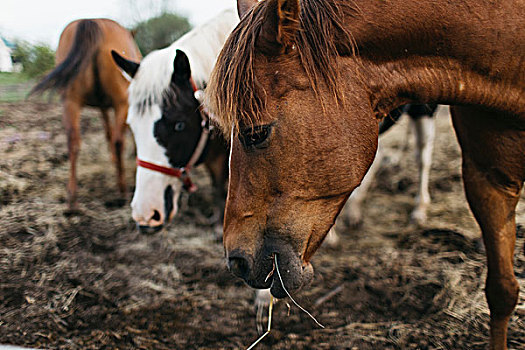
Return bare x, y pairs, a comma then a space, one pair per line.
146, 91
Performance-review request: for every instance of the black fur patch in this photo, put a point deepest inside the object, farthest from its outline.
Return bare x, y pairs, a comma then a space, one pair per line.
168, 201
179, 129
413, 110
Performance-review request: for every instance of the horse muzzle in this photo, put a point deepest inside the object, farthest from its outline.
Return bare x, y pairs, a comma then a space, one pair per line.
277, 267
149, 230
157, 218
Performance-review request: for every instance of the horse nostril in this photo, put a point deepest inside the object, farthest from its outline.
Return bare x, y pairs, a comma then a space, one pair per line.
239, 266
156, 215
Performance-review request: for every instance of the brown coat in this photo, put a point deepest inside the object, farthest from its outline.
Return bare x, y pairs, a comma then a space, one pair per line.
320, 74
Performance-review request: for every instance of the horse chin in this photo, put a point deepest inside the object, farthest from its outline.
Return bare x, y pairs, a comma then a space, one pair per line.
149, 230
292, 283
277, 265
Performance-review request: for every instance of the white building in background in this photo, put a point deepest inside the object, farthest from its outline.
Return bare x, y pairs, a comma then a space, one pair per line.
6, 63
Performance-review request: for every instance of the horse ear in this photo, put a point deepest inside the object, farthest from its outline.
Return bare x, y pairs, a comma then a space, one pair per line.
280, 26
243, 6
181, 68
128, 66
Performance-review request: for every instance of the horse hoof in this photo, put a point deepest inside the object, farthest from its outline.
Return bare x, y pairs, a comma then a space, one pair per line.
418, 218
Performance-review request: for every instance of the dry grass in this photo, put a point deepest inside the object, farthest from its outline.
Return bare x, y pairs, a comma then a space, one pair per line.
91, 281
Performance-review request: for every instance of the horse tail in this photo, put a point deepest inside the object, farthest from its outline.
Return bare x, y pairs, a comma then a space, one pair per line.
85, 45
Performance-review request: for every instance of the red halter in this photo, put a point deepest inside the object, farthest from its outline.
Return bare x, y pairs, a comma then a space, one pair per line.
183, 173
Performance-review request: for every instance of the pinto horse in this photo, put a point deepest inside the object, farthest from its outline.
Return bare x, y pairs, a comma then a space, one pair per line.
300, 87
85, 74
170, 127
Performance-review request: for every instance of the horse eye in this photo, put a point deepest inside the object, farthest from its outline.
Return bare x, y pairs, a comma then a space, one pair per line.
179, 126
256, 137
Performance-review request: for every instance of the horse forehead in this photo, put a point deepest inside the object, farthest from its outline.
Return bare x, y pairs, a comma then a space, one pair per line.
143, 113
149, 87
286, 73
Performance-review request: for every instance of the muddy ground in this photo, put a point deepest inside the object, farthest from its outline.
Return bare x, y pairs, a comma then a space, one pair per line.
92, 282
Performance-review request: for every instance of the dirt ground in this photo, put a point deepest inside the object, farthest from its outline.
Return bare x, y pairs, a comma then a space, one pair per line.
93, 282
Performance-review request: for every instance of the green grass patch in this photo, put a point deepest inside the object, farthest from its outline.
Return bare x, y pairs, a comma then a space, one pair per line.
14, 96
13, 78
14, 87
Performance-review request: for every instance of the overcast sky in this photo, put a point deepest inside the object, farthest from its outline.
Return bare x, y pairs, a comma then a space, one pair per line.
44, 20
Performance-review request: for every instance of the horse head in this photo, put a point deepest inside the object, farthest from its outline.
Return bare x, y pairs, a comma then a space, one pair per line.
300, 86
295, 156
166, 121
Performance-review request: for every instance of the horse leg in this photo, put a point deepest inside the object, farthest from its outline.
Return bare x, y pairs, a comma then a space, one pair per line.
353, 205
217, 165
493, 174
121, 112
262, 301
71, 122
107, 129
425, 132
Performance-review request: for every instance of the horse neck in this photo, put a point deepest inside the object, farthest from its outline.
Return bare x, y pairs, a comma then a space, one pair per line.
203, 44
464, 52
439, 80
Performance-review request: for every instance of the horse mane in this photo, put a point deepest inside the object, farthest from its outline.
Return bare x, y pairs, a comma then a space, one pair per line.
235, 95
85, 45
152, 81
151, 84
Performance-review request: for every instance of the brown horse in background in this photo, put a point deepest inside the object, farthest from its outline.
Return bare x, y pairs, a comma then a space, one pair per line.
85, 74
301, 86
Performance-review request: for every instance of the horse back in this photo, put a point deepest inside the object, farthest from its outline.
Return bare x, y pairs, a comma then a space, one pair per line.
108, 74
84, 70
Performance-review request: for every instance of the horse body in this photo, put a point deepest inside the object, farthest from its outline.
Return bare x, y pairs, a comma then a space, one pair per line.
85, 74
465, 61
167, 120
301, 85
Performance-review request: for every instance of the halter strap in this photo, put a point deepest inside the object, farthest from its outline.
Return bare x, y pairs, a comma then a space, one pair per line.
204, 134
159, 168
183, 173
193, 85
180, 173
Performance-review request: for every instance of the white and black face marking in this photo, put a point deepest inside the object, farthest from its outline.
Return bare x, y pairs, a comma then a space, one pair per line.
166, 133
179, 129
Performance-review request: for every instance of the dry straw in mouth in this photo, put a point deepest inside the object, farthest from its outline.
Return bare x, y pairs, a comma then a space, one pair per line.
270, 309
289, 296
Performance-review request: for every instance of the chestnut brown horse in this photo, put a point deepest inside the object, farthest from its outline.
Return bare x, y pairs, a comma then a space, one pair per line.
301, 85
85, 74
